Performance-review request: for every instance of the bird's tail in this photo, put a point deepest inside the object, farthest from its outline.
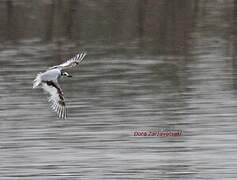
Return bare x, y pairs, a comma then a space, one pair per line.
37, 80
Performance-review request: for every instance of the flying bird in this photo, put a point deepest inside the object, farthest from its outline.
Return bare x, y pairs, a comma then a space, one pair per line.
49, 82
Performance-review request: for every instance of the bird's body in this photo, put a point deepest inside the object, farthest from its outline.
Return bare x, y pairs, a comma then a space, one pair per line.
51, 74
49, 82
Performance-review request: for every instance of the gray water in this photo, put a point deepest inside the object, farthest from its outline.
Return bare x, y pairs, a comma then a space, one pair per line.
151, 65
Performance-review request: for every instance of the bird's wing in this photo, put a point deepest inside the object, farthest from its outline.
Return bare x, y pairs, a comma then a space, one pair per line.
71, 62
56, 98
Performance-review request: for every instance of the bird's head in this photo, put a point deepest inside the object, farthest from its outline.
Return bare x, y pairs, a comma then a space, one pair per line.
64, 73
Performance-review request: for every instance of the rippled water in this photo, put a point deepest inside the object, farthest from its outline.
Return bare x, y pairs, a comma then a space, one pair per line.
139, 80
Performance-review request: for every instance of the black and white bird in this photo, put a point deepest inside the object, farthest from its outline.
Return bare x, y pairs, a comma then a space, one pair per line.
49, 82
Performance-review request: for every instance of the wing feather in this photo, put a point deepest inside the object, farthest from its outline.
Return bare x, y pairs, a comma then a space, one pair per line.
56, 99
72, 62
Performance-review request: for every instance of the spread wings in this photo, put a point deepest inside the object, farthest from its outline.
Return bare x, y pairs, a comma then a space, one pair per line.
71, 62
56, 98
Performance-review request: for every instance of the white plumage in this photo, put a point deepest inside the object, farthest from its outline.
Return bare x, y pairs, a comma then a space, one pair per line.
49, 82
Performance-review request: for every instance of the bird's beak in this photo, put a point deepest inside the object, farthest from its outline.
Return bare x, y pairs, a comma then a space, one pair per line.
66, 74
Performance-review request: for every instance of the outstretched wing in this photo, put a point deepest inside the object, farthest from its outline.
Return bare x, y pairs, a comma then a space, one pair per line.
71, 62
56, 98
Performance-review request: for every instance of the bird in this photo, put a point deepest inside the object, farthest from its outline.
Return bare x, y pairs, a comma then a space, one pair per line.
48, 81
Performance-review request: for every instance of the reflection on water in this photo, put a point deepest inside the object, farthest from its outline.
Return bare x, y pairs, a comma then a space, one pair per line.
150, 65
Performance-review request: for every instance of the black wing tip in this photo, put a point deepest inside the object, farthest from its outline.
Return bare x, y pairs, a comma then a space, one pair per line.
63, 118
81, 55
